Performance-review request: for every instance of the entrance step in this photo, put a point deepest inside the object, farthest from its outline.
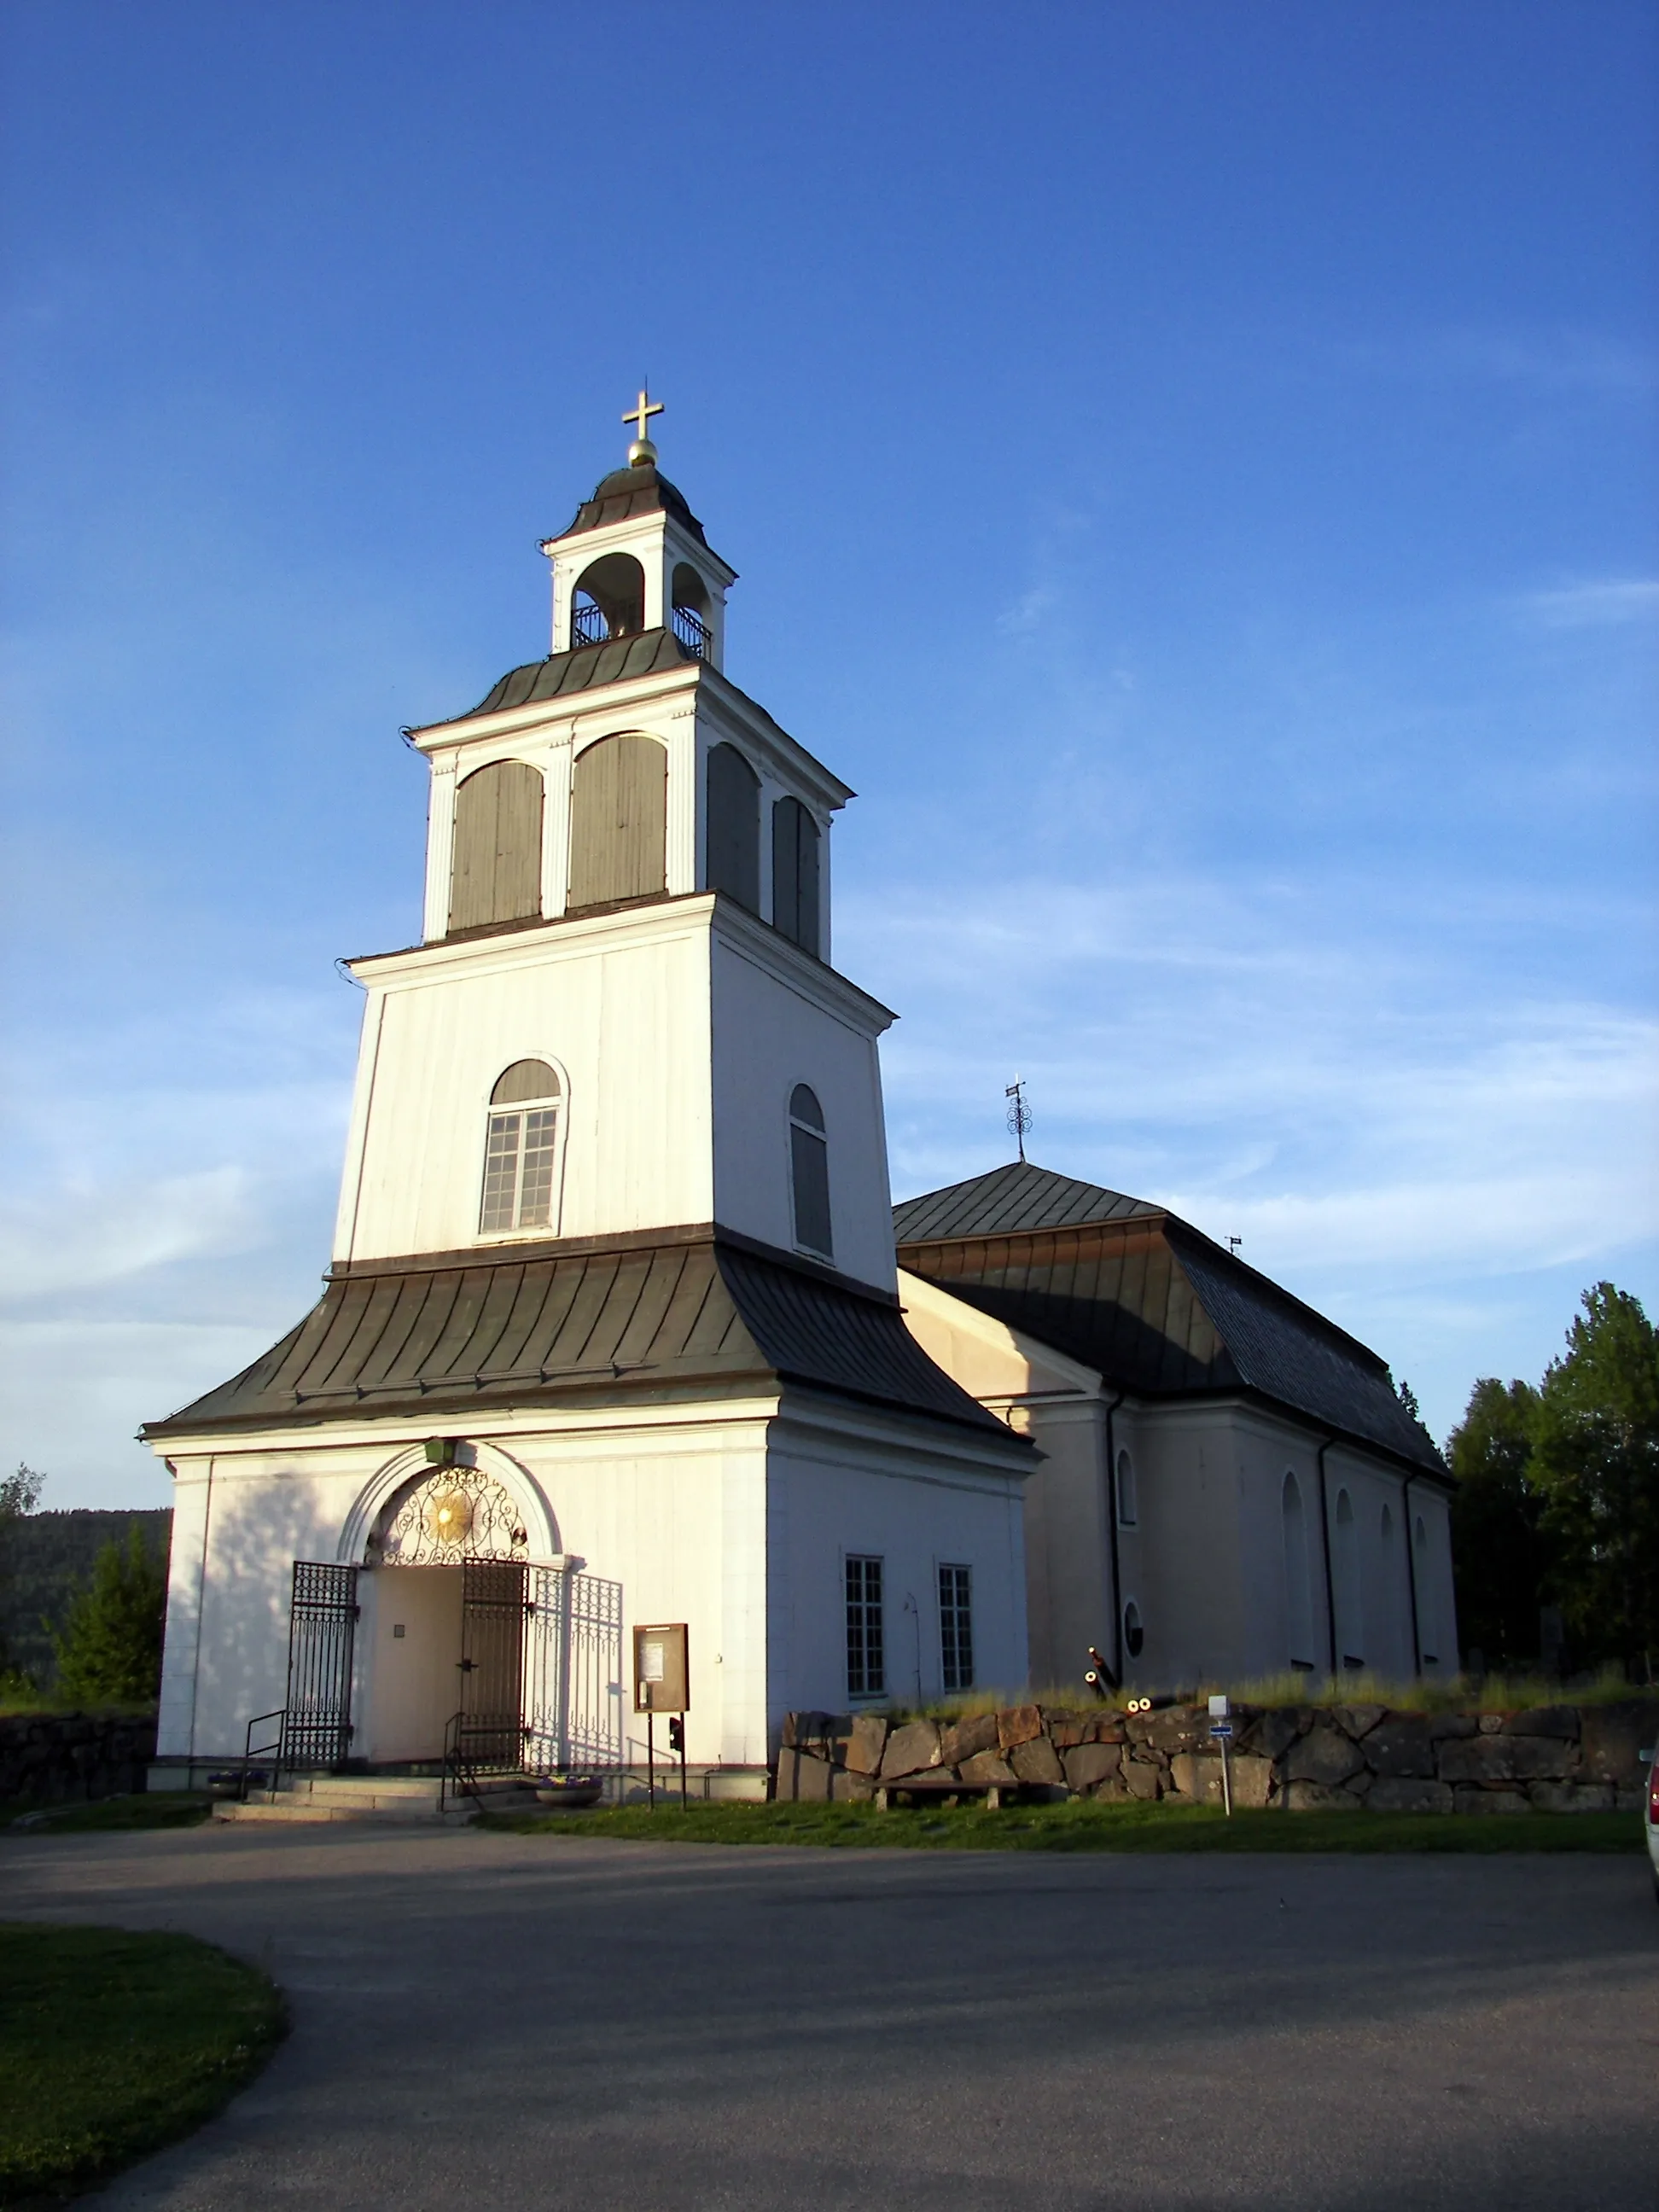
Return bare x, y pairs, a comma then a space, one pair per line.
328, 1797
317, 1798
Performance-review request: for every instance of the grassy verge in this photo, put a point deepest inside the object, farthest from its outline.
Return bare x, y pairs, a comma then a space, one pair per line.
113, 2045
1485, 1693
161, 1808
1083, 1826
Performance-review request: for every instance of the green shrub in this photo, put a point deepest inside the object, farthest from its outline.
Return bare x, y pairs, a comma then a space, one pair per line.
110, 1650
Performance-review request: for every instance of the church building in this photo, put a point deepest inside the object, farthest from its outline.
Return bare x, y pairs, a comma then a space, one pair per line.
615, 1356
611, 1337
1229, 1486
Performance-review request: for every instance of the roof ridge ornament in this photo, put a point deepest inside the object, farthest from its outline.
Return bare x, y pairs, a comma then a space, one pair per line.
643, 450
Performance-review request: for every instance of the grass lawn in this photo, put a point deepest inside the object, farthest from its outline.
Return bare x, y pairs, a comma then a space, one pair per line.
161, 1808
113, 2045
1083, 1826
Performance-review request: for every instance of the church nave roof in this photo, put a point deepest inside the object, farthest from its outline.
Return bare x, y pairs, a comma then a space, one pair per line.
1147, 1301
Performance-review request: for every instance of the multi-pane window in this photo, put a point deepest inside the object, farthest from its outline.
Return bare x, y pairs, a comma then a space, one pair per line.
866, 1666
956, 1627
520, 1151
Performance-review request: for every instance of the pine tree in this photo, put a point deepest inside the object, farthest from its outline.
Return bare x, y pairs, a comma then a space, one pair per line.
1501, 1558
110, 1650
1595, 1449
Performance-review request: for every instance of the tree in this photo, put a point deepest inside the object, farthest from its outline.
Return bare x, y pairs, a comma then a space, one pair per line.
1500, 1554
110, 1650
19, 1494
1595, 1453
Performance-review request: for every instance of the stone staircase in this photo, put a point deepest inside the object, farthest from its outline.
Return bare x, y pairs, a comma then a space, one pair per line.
312, 1799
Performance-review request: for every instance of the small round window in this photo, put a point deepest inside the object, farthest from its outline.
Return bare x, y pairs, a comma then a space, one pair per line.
1134, 1635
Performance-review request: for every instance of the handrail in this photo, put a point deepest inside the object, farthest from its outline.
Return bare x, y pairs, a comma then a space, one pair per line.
251, 1752
466, 1782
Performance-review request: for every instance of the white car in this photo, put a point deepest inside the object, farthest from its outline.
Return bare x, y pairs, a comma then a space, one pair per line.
1650, 1815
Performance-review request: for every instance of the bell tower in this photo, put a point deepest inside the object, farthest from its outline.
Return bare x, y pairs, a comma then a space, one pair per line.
623, 1017
635, 559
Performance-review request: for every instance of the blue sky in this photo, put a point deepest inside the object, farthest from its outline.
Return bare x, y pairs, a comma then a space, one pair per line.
1192, 469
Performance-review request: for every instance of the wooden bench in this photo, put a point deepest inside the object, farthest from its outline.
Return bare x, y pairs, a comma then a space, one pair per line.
918, 1788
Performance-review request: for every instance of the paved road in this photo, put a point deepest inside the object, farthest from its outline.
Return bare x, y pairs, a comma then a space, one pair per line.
512, 2021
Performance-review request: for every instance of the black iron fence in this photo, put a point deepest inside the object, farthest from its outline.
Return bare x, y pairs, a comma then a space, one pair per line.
693, 632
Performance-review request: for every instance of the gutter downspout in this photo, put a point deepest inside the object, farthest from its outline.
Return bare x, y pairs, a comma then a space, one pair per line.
1111, 1533
1411, 1574
1325, 1548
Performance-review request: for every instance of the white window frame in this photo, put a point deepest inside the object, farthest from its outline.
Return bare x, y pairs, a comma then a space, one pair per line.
867, 1696
559, 1101
941, 1568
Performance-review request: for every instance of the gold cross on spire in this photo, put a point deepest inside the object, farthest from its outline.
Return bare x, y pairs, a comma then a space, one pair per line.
642, 414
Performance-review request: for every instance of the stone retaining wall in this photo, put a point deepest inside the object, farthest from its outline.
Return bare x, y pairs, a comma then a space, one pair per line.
1556, 1759
49, 1757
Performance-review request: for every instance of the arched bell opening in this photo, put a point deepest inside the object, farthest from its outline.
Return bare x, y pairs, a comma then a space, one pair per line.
609, 600
692, 610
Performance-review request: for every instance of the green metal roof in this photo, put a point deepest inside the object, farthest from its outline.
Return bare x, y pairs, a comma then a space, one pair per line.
628, 492
1147, 1301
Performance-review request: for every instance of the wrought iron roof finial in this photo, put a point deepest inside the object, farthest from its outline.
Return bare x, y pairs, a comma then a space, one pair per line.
643, 450
1019, 1114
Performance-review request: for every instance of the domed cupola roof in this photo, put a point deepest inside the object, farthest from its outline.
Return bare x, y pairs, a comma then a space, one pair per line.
637, 490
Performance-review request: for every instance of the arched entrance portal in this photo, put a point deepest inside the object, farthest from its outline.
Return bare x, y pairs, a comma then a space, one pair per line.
445, 1620
471, 1649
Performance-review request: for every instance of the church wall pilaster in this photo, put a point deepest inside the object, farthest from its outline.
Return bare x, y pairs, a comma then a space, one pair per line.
440, 844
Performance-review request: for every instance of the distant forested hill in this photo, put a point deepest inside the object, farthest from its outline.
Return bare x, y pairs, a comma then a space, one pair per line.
44, 1557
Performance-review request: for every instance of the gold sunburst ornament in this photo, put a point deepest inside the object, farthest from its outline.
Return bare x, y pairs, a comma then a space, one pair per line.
448, 1516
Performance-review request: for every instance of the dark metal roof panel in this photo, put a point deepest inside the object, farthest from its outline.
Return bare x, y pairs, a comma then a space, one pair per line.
641, 489
1101, 1294
1154, 1307
1017, 1197
511, 1331
644, 653
814, 1332
1283, 1350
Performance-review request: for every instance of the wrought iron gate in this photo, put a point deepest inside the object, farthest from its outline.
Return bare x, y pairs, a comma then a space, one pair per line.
574, 1711
490, 1724
322, 1626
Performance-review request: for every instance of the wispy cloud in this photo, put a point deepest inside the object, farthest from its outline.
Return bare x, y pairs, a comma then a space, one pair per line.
1555, 361
1596, 603
1367, 1111
71, 1238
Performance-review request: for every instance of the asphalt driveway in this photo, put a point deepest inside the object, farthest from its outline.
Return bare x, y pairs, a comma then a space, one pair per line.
507, 2021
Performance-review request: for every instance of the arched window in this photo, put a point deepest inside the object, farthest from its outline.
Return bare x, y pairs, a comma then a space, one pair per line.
1128, 1499
495, 874
1427, 1595
1298, 1608
521, 1150
1344, 1568
609, 600
795, 873
690, 595
809, 1163
619, 822
1135, 1631
733, 828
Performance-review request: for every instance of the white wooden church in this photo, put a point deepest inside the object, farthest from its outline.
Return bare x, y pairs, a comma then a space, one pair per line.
614, 1334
